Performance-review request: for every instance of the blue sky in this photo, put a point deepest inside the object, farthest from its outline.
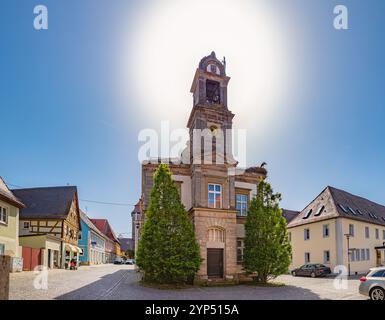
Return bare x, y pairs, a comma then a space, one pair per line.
71, 109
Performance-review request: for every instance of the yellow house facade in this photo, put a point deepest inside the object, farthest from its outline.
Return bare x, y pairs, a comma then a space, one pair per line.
341, 230
9, 222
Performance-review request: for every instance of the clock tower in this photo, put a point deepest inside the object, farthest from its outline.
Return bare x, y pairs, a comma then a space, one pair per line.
210, 111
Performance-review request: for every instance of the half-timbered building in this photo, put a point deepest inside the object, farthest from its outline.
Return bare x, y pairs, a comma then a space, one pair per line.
54, 212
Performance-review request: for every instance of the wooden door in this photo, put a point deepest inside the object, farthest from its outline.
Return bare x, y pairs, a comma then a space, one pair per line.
31, 258
215, 263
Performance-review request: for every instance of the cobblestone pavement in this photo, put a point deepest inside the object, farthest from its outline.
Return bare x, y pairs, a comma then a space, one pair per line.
114, 282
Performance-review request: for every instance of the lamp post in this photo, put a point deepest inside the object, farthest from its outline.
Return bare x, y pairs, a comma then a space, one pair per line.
347, 235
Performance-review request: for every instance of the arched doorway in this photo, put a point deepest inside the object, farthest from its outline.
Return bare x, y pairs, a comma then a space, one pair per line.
215, 252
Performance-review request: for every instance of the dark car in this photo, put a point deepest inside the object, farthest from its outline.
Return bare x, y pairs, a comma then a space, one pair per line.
312, 270
118, 261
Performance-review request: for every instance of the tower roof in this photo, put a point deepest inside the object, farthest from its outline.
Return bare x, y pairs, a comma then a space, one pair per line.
212, 59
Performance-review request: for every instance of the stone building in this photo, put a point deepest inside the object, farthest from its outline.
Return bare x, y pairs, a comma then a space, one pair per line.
213, 190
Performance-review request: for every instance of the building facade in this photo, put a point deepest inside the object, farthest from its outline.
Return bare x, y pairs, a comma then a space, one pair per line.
52, 211
339, 229
112, 245
9, 225
214, 191
92, 242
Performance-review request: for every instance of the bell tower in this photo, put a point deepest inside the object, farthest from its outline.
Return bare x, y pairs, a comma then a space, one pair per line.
210, 110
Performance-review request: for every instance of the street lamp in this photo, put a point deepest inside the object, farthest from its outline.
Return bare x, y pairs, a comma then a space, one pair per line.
348, 235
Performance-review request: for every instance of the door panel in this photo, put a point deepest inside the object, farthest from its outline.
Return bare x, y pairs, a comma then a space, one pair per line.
215, 263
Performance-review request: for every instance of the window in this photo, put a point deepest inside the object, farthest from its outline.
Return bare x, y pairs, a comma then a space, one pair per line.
289, 236
307, 214
213, 92
352, 255
358, 257
363, 255
367, 254
3, 215
216, 235
240, 248
383, 234
377, 234
351, 229
2, 249
215, 196
307, 234
367, 234
343, 208
26, 225
378, 274
241, 204
319, 211
307, 257
326, 231
327, 256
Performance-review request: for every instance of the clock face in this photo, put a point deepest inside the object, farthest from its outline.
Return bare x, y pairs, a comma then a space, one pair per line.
214, 130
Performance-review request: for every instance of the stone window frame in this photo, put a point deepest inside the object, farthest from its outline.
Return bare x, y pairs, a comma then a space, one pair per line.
219, 234
214, 183
246, 192
242, 248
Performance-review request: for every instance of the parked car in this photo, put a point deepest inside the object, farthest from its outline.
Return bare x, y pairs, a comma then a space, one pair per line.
118, 261
373, 284
312, 270
130, 261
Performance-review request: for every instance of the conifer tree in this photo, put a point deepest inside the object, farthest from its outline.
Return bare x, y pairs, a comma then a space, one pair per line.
267, 249
168, 251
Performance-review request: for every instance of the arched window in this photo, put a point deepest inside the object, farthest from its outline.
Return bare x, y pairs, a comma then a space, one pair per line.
216, 234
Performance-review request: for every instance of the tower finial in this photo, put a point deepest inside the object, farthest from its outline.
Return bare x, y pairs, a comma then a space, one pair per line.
213, 54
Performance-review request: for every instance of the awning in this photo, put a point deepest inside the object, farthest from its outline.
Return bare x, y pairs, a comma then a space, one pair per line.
70, 247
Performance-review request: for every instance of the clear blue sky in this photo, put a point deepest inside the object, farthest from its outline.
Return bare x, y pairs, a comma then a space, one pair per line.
64, 120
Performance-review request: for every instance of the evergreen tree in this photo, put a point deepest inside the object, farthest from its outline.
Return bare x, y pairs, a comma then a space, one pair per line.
168, 251
267, 249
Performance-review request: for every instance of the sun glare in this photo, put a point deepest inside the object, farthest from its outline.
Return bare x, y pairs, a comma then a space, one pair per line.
170, 38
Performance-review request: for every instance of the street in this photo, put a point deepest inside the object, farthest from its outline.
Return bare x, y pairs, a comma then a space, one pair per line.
120, 282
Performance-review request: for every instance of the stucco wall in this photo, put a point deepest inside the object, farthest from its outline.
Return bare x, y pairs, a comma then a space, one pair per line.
336, 243
9, 234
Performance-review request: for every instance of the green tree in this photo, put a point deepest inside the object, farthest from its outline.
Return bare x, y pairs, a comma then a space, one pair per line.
267, 248
168, 251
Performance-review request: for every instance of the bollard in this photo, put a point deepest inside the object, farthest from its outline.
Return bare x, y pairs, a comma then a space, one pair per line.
5, 265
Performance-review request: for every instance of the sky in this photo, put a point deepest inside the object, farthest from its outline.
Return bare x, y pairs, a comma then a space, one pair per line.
74, 97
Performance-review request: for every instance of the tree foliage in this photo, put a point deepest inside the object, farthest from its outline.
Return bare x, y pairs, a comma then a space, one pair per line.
168, 251
267, 250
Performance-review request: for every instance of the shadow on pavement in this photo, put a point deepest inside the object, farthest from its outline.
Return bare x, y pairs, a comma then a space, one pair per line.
124, 285
98, 289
